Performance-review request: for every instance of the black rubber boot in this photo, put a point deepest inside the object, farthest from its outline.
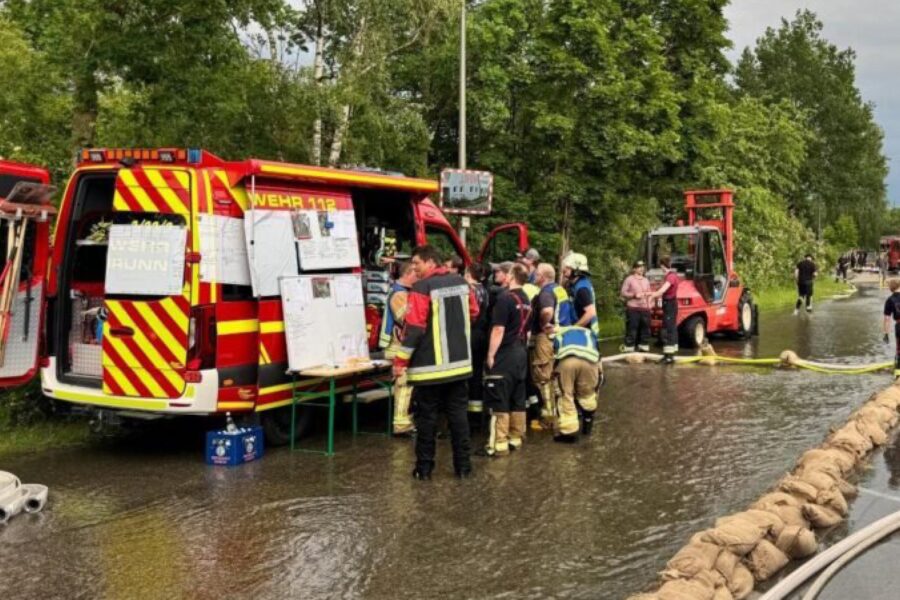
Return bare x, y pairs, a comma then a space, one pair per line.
587, 423
422, 472
565, 438
463, 473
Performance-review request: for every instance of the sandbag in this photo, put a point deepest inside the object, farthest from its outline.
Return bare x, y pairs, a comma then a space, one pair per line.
798, 488
644, 597
725, 564
723, 593
881, 414
889, 397
872, 430
834, 500
767, 522
849, 438
684, 589
693, 559
825, 466
797, 542
847, 489
844, 460
765, 560
819, 479
710, 578
821, 517
777, 499
738, 536
741, 583
790, 515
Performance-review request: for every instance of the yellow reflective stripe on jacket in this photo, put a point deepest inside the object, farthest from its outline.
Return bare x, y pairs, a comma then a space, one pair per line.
413, 375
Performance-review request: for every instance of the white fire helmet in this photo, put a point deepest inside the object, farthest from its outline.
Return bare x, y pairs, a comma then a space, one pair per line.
576, 262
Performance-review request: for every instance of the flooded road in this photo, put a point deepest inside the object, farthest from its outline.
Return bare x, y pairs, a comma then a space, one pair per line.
674, 448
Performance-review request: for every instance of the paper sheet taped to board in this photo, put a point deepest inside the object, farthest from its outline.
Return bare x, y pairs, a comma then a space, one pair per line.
146, 260
273, 253
323, 323
223, 250
326, 239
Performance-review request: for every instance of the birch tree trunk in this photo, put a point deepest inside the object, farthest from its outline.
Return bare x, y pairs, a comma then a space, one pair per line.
318, 69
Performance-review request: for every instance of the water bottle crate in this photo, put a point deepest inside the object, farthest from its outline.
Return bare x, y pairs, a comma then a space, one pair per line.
234, 448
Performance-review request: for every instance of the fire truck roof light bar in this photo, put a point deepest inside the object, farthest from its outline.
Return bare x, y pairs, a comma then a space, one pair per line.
162, 155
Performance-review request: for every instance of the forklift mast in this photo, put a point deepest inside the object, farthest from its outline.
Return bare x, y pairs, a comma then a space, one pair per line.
700, 203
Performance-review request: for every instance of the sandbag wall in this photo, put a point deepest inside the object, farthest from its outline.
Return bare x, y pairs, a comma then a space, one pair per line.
726, 561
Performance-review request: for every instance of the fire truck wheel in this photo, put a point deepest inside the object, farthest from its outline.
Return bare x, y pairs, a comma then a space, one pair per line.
746, 317
276, 424
693, 332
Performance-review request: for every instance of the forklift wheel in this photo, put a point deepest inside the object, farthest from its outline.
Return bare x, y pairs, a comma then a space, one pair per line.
693, 332
746, 317
276, 424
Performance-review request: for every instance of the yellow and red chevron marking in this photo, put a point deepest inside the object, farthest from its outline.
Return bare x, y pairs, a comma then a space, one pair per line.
150, 362
221, 189
153, 190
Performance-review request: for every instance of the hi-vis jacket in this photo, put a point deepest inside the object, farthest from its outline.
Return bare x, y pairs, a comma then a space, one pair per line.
576, 341
391, 322
564, 311
435, 339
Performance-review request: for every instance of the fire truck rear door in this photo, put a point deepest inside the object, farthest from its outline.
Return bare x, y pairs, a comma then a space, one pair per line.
146, 335
25, 221
503, 242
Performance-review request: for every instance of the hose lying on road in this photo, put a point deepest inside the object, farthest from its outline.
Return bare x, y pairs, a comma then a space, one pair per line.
788, 359
726, 561
16, 497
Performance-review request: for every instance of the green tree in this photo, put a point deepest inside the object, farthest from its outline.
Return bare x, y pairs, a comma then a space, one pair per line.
842, 234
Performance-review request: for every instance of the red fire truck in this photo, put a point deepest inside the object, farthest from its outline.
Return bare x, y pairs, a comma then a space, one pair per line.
711, 297
213, 347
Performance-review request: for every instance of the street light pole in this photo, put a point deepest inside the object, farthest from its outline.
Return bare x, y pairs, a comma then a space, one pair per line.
462, 103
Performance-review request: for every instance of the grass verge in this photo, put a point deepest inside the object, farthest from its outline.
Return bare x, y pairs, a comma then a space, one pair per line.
785, 296
42, 436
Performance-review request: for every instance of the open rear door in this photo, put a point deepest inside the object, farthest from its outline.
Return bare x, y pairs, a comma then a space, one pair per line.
147, 293
503, 242
25, 221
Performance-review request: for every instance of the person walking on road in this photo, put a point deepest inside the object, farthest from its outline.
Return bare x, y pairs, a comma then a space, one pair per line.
668, 291
391, 325
507, 366
804, 275
636, 293
892, 317
435, 356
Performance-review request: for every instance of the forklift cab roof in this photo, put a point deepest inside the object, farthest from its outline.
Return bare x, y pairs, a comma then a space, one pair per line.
682, 230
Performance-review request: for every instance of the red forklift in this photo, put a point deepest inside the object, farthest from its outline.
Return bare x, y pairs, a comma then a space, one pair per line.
711, 297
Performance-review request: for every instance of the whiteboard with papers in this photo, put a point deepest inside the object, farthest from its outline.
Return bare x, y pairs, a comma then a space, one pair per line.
324, 320
326, 239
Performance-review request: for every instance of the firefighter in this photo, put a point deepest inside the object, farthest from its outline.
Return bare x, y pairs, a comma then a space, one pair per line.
581, 291
636, 293
530, 259
668, 291
391, 326
804, 275
436, 358
507, 364
551, 308
579, 379
892, 316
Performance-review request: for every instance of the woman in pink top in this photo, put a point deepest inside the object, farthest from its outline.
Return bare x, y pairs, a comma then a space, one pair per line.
636, 293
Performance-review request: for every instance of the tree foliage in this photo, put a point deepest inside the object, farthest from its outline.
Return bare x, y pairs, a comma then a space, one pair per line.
592, 114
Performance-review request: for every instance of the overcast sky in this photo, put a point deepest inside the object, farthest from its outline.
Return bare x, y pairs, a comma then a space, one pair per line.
870, 27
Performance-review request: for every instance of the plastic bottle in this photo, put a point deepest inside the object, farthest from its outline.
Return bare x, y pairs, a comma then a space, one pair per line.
230, 427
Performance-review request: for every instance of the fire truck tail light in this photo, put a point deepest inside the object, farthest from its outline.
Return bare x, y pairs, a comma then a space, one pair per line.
202, 338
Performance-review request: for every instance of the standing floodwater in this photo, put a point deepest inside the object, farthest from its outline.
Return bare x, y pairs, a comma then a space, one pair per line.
673, 449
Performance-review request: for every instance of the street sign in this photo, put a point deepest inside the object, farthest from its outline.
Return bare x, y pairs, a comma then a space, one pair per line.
466, 192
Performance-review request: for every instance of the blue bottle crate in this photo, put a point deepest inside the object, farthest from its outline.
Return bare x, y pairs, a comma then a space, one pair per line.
231, 449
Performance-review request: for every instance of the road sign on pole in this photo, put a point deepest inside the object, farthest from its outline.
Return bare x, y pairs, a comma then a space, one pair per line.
466, 192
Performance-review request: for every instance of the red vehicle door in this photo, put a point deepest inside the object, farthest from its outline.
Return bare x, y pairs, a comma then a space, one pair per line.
25, 221
503, 242
146, 336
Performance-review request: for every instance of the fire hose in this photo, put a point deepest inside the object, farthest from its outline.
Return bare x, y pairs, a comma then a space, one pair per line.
788, 359
16, 497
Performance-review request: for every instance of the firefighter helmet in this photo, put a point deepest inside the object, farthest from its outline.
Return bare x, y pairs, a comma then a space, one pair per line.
576, 262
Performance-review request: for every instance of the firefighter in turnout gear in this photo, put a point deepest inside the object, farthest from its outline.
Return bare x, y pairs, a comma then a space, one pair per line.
507, 363
892, 318
581, 291
668, 291
435, 356
389, 340
578, 370
551, 308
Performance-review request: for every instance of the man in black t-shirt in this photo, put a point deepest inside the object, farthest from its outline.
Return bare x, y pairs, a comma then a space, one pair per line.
804, 275
892, 317
507, 365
